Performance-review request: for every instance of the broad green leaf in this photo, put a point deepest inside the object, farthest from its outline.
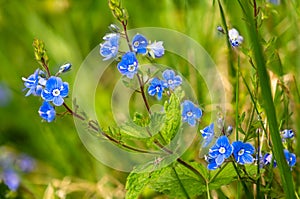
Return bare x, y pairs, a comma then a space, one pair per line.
172, 118
182, 183
224, 177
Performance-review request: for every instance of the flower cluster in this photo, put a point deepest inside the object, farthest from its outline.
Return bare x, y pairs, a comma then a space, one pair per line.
128, 65
222, 150
267, 159
11, 165
170, 81
234, 37
51, 89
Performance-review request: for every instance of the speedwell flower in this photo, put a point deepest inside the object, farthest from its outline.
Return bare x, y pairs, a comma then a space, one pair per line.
110, 47
172, 80
212, 165
267, 159
32, 83
156, 49
47, 112
290, 157
55, 90
128, 65
139, 44
157, 86
190, 112
234, 37
208, 134
221, 150
11, 179
242, 152
287, 134
65, 68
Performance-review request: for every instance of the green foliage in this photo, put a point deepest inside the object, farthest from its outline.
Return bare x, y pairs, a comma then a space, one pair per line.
172, 118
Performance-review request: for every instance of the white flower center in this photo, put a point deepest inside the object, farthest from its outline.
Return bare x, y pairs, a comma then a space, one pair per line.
170, 81
136, 44
222, 150
56, 92
157, 88
189, 114
131, 67
241, 152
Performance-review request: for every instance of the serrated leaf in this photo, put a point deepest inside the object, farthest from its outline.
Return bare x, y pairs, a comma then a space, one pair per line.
168, 181
137, 181
172, 118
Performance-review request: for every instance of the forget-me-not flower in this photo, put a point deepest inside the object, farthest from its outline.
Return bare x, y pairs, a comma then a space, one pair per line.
139, 44
221, 150
172, 80
156, 87
47, 112
190, 112
32, 83
234, 37
156, 49
55, 90
207, 134
242, 152
128, 65
290, 157
109, 49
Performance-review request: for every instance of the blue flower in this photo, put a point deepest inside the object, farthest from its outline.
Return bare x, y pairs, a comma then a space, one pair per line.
156, 49
128, 65
212, 165
190, 112
172, 80
55, 90
208, 134
32, 83
139, 44
110, 47
242, 152
11, 179
157, 86
25, 163
290, 157
287, 134
221, 150
234, 37
47, 112
267, 159
64, 68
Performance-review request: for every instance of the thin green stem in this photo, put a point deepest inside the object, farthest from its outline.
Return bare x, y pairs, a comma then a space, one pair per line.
237, 101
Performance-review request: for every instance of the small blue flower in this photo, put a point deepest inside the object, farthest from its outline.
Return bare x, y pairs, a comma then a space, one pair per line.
128, 65
156, 49
234, 37
157, 86
290, 157
55, 90
190, 112
11, 179
221, 150
208, 134
172, 80
139, 44
287, 134
47, 112
110, 47
25, 163
267, 159
242, 152
212, 165
64, 68
32, 83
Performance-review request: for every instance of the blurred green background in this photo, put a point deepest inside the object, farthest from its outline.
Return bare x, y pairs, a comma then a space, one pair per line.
70, 30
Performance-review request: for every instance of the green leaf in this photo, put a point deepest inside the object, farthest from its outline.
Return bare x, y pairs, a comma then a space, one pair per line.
172, 118
182, 183
224, 177
137, 181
